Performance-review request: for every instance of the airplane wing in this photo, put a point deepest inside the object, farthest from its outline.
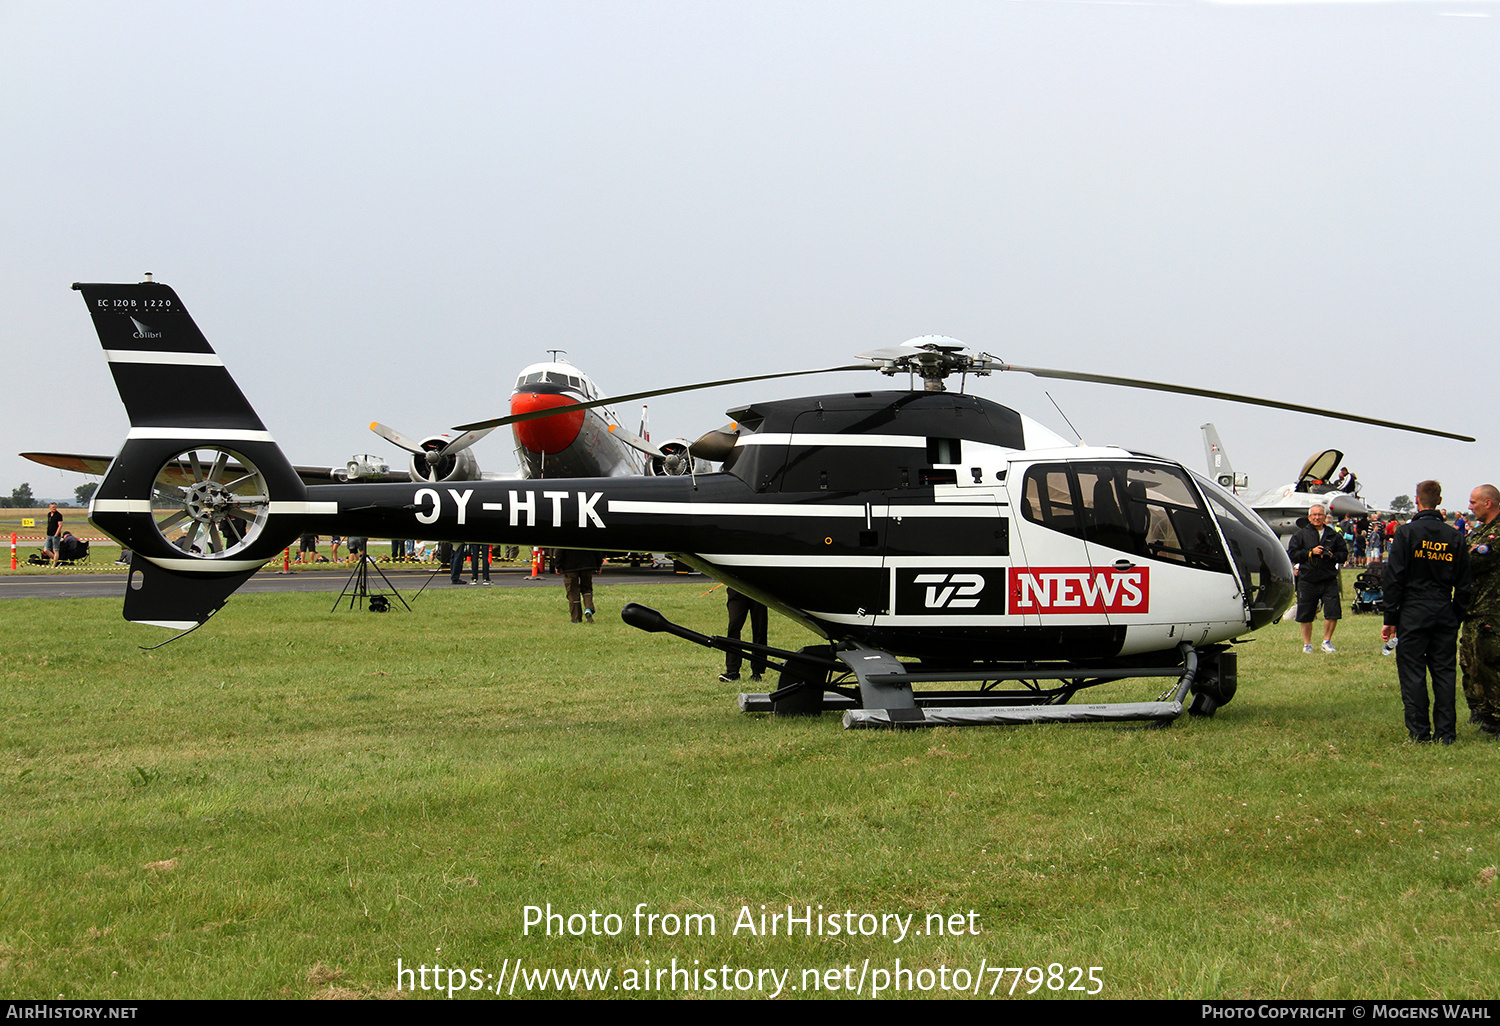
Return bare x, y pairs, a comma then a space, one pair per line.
81, 463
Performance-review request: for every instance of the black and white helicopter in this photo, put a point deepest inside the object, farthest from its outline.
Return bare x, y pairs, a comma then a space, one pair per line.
926, 524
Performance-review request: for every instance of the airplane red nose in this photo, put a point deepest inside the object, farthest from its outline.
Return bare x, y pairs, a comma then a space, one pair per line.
545, 434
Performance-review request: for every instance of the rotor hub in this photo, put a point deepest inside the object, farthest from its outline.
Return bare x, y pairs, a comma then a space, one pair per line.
932, 358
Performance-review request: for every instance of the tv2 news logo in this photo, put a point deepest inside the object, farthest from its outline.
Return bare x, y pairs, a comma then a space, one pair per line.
960, 591
1080, 589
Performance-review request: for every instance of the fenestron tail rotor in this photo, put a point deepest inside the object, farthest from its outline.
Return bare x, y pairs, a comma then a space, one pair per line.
210, 501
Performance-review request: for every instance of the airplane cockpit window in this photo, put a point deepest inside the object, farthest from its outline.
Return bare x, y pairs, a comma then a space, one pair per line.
534, 378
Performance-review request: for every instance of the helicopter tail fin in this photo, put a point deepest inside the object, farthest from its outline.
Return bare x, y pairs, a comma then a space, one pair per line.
200, 493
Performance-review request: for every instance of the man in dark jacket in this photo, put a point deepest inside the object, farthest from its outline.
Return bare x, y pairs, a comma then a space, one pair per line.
1427, 591
1318, 550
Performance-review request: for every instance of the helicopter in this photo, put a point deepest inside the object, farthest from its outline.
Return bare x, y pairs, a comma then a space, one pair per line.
930, 525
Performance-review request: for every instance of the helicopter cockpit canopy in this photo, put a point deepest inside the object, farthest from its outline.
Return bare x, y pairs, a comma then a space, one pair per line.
1151, 511
1264, 566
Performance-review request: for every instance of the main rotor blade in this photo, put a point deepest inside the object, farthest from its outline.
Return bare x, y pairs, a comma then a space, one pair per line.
1157, 386
632, 397
463, 441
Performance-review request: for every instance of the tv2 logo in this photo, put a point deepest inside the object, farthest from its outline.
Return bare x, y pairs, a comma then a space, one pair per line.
951, 591
960, 591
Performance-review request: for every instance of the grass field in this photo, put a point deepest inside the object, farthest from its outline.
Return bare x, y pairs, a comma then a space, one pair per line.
288, 801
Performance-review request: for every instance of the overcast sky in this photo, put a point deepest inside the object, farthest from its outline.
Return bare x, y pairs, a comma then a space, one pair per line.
383, 211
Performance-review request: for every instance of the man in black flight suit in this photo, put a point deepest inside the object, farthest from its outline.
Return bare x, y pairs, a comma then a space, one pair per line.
1427, 589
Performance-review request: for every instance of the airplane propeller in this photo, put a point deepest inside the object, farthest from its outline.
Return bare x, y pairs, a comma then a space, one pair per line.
436, 454
936, 357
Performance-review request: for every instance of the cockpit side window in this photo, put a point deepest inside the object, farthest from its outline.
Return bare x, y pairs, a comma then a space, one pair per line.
1047, 499
1149, 511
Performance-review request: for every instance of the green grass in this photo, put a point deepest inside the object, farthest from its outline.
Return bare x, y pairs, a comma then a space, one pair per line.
287, 801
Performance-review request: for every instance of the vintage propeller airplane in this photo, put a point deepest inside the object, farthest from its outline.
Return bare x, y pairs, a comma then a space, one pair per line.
928, 524
572, 440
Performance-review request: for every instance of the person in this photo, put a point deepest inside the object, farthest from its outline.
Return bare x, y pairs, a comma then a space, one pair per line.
1319, 549
741, 606
54, 532
309, 549
473, 551
334, 544
1427, 591
1479, 648
578, 567
70, 549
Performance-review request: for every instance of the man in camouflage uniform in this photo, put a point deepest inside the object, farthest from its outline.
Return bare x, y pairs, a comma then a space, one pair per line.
1479, 651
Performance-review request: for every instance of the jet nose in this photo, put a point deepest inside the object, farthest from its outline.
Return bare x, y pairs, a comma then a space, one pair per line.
545, 434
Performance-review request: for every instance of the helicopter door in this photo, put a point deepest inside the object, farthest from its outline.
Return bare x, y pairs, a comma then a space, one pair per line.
1053, 580
1147, 528
946, 548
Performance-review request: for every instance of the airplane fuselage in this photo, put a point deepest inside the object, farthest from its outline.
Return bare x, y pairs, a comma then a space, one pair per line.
576, 444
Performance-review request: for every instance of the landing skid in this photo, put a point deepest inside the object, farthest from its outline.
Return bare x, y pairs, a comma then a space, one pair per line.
874, 689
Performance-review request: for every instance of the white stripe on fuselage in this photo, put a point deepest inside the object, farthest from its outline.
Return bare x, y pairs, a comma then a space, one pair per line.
787, 509
203, 436
861, 441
